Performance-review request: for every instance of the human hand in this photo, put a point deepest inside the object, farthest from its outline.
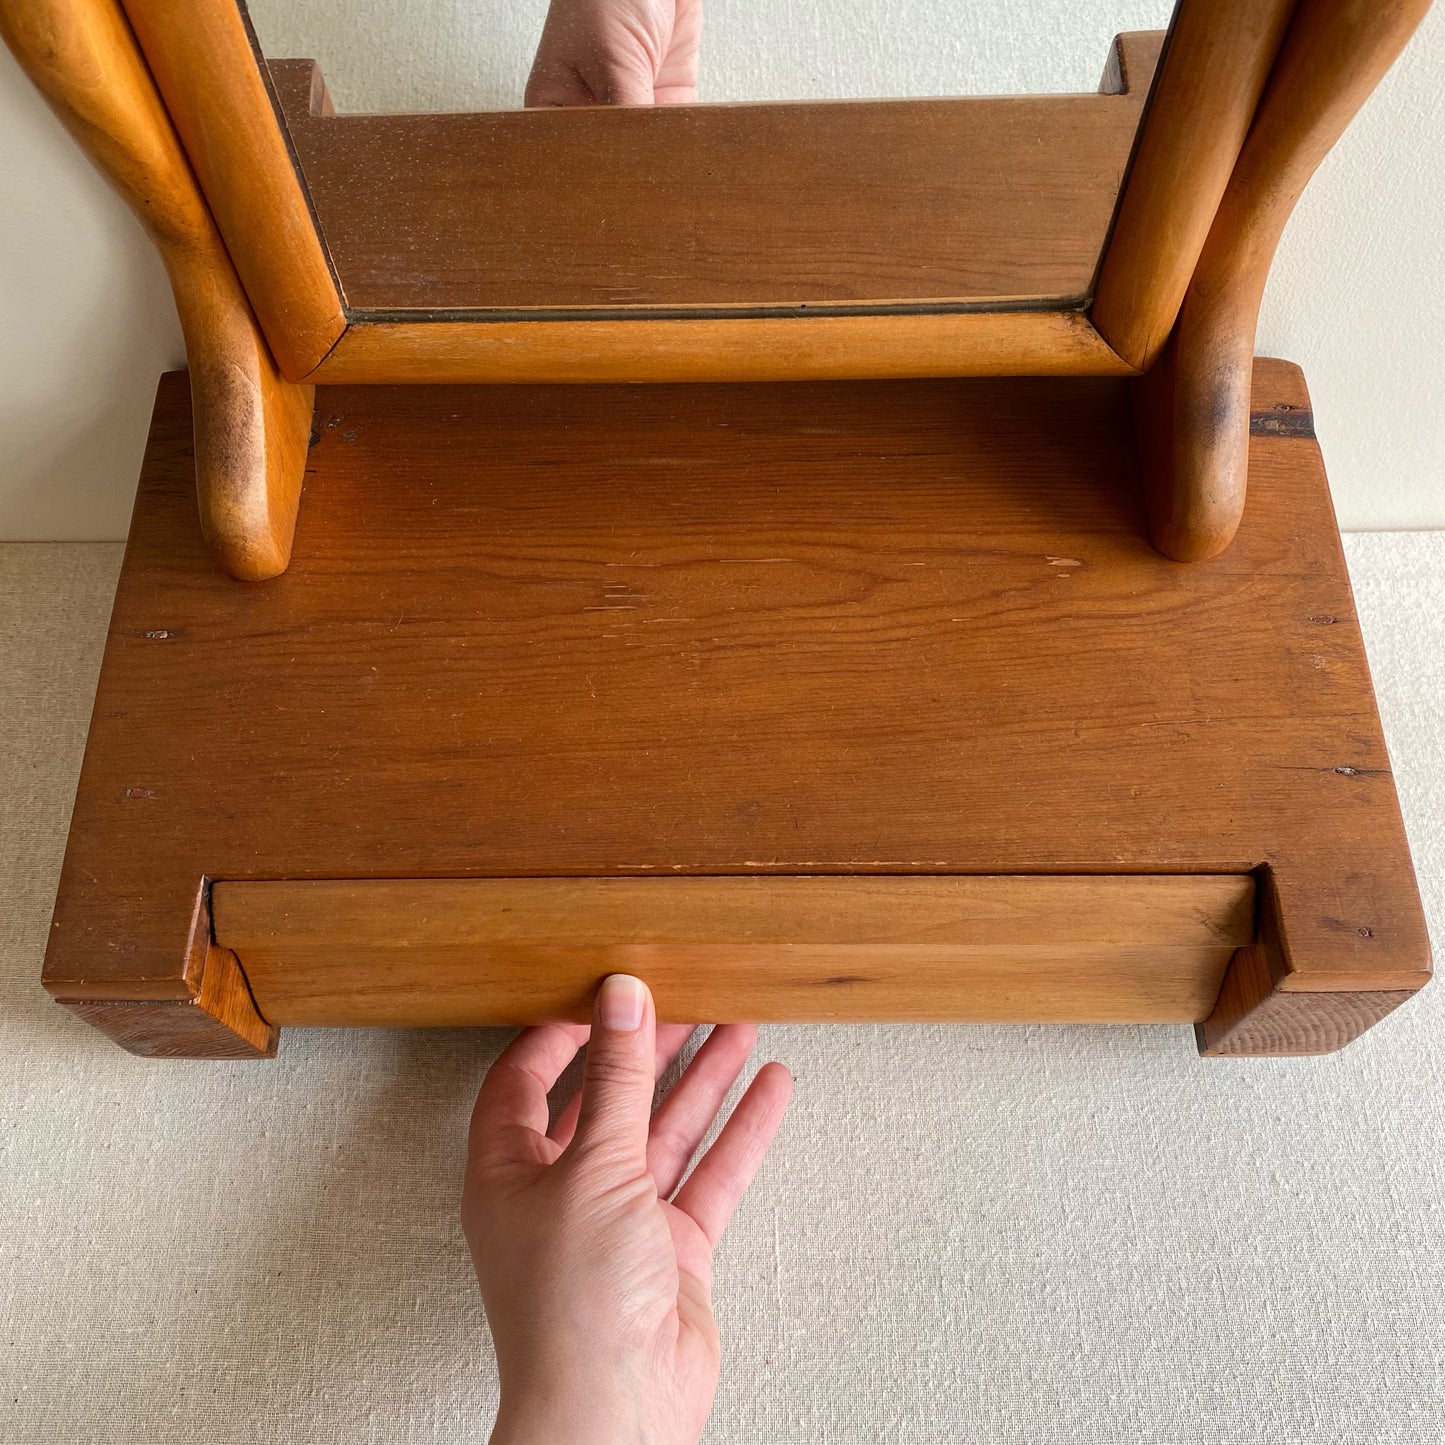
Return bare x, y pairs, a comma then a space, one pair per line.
617, 52
599, 1290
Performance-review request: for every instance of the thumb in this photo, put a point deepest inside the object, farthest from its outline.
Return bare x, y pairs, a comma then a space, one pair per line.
620, 77
625, 88
616, 1112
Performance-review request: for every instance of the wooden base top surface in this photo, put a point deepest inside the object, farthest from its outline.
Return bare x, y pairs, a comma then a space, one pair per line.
897, 627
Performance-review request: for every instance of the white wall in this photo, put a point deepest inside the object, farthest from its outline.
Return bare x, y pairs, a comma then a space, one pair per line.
86, 325
1356, 295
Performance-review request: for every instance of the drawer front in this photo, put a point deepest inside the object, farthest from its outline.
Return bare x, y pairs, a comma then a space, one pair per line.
1078, 949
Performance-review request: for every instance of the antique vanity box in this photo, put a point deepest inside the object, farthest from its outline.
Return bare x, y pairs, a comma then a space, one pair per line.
914, 603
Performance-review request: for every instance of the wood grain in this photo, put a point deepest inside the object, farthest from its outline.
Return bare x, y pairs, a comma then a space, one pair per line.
201, 55
475, 951
213, 1016
1272, 1002
1254, 1016
786, 348
1214, 70
221, 1022
882, 628
209, 1014
1196, 409
667, 208
1291, 1025
250, 424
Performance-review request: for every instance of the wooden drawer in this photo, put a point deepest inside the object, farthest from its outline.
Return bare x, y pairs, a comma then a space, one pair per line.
513, 950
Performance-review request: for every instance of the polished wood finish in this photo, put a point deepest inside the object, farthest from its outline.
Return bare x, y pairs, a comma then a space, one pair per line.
250, 425
973, 201
221, 1022
790, 348
1214, 70
510, 951
901, 629
1194, 408
214, 1016
633, 344
201, 55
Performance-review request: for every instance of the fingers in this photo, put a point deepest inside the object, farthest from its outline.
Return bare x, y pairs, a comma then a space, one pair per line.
589, 80
582, 60
676, 82
616, 1108
670, 1040
687, 1113
512, 1102
713, 1189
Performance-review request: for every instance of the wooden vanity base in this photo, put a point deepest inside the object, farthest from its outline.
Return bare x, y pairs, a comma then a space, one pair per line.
827, 701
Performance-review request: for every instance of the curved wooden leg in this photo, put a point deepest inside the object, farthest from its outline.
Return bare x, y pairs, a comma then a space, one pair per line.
252, 426
1193, 407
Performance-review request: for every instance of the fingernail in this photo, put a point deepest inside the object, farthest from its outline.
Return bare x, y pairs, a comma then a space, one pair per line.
620, 1002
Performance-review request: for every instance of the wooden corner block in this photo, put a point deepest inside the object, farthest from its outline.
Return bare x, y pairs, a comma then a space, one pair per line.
221, 1022
1255, 1018
1318, 975
1133, 61
201, 1008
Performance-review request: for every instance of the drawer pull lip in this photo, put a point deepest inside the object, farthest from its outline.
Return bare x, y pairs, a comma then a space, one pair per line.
1028, 948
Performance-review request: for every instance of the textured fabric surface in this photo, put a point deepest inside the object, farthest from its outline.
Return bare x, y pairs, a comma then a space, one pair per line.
965, 1234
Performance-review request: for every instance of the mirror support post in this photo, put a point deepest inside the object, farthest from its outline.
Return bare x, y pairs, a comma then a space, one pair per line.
1193, 409
216, 88
252, 426
1216, 61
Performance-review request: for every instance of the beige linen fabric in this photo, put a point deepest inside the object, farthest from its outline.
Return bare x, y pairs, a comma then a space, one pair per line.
1015, 1235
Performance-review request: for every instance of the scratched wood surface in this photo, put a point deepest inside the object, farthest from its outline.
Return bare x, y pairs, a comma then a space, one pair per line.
846, 628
